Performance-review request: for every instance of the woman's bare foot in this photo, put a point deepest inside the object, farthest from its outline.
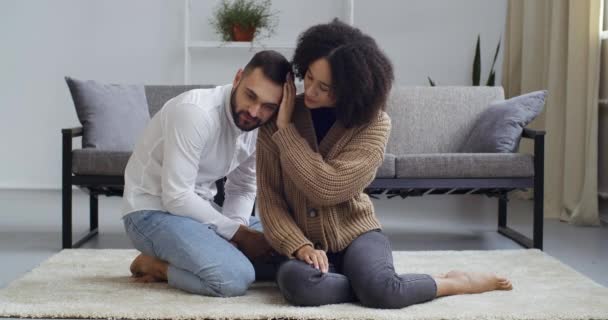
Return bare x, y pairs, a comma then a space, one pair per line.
458, 282
149, 269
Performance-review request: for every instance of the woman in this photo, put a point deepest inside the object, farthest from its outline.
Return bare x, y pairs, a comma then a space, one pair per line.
313, 164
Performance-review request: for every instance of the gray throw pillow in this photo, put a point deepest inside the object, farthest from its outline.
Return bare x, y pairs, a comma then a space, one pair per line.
499, 127
112, 115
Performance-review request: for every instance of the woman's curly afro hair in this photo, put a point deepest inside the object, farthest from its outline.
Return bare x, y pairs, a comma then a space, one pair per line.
362, 75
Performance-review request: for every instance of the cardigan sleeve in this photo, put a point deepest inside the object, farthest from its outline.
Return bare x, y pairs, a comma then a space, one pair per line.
329, 182
280, 229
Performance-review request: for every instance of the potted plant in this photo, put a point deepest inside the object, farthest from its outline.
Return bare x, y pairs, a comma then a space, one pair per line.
244, 20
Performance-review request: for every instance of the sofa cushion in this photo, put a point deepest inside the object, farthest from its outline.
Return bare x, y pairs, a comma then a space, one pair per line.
158, 95
465, 165
112, 115
99, 162
499, 127
113, 163
387, 169
435, 119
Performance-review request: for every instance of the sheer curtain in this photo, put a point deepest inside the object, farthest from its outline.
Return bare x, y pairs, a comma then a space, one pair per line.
603, 111
555, 45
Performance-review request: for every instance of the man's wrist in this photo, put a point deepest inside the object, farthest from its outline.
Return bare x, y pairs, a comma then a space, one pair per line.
238, 235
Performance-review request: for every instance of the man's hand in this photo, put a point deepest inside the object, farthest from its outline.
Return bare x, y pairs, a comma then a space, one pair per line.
251, 242
316, 258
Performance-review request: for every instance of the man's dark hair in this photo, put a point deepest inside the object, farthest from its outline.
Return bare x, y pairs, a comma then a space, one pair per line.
362, 75
273, 65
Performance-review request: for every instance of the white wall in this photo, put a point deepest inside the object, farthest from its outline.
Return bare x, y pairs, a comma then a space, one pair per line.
141, 41
435, 37
42, 41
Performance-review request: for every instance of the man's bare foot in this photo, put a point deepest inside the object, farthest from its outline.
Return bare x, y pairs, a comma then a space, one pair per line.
146, 278
149, 269
458, 282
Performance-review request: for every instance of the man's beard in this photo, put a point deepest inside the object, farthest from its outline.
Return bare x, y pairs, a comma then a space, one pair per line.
236, 116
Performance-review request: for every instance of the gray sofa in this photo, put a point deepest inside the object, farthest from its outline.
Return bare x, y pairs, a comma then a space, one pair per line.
429, 126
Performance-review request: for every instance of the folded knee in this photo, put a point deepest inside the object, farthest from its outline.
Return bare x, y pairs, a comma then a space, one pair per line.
303, 285
230, 289
292, 278
229, 282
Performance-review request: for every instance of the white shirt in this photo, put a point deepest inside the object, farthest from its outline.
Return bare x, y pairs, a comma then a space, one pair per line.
191, 142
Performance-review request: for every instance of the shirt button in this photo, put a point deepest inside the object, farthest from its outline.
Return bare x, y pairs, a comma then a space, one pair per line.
318, 246
312, 213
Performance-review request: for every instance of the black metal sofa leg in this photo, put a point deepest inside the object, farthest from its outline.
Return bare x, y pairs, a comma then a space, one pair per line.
67, 180
502, 210
67, 219
537, 233
93, 222
538, 216
539, 190
94, 212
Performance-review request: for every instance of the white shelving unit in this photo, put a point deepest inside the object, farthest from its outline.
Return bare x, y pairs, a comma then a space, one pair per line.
219, 44
191, 45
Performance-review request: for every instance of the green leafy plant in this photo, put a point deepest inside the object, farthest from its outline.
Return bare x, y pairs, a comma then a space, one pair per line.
246, 14
477, 67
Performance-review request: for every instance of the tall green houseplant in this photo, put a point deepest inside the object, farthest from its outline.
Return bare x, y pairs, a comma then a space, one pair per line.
476, 75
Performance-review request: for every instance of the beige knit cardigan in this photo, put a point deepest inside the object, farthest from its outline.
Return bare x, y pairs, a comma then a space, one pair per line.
313, 194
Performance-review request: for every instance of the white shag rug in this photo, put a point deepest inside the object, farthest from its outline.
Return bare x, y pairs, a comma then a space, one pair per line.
85, 283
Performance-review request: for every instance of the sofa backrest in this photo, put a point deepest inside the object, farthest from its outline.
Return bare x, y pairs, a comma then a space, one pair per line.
157, 95
424, 119
435, 119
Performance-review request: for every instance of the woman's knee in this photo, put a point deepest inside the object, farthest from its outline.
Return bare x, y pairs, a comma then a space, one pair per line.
303, 285
292, 278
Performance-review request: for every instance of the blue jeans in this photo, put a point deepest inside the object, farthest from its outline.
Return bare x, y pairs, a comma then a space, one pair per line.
200, 261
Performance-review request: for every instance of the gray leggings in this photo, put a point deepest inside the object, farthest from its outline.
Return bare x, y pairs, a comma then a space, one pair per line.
362, 272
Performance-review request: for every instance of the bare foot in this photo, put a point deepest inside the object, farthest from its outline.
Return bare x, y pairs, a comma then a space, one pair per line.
458, 282
146, 278
149, 269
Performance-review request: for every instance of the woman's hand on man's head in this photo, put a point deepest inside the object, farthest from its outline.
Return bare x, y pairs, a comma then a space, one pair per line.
287, 103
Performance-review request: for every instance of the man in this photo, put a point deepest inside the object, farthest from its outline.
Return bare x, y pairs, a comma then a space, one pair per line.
197, 138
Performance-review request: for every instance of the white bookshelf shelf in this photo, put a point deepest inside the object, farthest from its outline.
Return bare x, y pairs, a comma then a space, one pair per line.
192, 45
247, 45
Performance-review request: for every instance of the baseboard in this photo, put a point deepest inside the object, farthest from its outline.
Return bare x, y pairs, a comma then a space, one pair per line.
17, 187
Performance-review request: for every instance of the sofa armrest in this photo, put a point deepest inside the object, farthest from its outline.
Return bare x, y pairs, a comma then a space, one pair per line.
538, 136
531, 133
72, 132
67, 134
